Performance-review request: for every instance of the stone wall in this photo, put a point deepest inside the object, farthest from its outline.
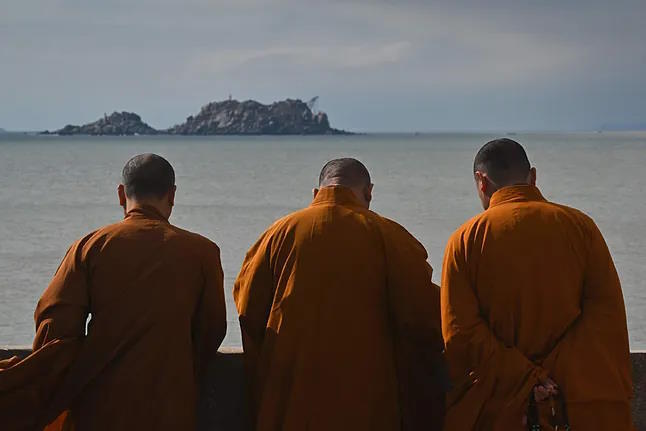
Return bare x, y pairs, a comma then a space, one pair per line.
223, 407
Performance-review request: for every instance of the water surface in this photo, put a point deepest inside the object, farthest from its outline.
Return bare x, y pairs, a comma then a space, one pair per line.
56, 189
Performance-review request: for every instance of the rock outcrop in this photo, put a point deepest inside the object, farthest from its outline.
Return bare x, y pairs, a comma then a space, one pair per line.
231, 117
117, 123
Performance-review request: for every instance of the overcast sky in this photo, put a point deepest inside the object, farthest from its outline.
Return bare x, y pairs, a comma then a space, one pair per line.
376, 65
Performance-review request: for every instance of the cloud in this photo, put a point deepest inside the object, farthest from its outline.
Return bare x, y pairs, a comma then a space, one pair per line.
320, 56
138, 54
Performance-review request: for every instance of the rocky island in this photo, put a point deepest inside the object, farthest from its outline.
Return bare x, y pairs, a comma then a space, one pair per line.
117, 123
229, 117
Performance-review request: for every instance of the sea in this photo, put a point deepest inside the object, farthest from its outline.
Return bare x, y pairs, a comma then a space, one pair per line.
54, 190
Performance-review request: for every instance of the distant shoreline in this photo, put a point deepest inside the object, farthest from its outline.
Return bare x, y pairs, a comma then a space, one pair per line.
228, 117
360, 133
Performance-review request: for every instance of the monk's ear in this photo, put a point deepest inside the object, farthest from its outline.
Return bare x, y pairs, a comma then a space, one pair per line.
171, 196
532, 176
315, 192
368, 193
481, 182
121, 192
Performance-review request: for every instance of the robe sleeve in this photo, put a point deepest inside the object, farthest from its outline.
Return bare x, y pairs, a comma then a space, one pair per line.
599, 336
479, 362
210, 324
27, 387
253, 294
415, 310
63, 309
414, 299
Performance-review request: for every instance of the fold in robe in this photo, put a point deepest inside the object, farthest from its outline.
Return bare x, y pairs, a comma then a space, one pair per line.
529, 290
156, 299
340, 322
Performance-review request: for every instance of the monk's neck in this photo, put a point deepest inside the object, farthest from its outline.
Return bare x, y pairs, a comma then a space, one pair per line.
164, 210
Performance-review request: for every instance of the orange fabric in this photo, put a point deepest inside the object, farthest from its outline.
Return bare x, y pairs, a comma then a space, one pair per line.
339, 321
156, 299
528, 290
63, 422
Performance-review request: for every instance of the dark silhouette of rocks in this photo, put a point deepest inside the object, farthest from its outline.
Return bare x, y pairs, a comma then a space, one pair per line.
117, 123
231, 117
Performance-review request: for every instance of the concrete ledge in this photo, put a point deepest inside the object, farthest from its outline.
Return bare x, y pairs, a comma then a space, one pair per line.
10, 351
223, 405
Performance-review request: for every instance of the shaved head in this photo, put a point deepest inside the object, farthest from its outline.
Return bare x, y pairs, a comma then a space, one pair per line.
147, 176
504, 161
344, 172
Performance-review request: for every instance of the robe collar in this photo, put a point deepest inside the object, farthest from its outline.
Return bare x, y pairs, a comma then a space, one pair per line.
520, 193
336, 195
145, 212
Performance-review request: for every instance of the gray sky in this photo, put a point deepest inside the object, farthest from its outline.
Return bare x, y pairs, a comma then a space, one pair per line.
377, 65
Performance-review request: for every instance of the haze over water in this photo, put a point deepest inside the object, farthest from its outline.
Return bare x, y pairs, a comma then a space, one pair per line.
57, 189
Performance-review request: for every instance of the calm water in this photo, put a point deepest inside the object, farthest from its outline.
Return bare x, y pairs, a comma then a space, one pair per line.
56, 189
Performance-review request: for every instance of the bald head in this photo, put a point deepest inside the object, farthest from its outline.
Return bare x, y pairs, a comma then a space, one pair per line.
504, 161
147, 176
346, 172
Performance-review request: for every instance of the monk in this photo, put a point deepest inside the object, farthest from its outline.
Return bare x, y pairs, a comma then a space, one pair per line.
532, 311
339, 317
155, 297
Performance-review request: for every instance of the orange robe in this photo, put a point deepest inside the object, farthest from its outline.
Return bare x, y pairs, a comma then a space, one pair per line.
529, 290
156, 300
340, 322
